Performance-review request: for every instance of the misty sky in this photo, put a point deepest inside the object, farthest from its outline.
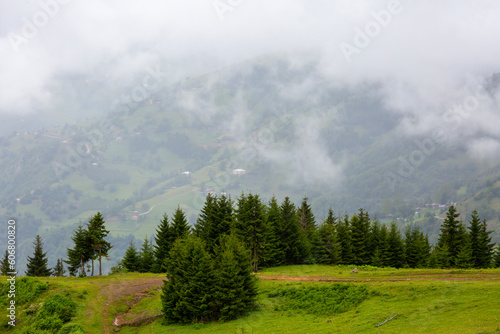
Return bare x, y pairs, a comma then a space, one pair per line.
429, 55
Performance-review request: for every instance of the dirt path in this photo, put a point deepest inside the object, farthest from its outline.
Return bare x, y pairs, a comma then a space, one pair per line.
120, 288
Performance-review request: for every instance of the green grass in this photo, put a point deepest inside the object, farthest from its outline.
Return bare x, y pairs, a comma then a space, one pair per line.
425, 301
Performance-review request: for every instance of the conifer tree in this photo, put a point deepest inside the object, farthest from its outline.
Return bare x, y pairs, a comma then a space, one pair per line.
383, 246
344, 238
180, 226
215, 220
273, 253
453, 234
395, 245
249, 226
292, 236
189, 293
328, 250
146, 256
480, 242
131, 259
59, 270
360, 237
496, 260
235, 286
164, 239
37, 265
81, 253
97, 233
4, 264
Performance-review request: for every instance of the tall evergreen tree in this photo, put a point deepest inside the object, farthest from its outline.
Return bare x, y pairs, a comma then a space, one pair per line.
416, 247
215, 220
164, 239
59, 270
81, 253
131, 260
98, 232
292, 236
146, 256
4, 264
481, 246
235, 286
189, 293
249, 226
496, 259
452, 235
396, 248
180, 226
273, 253
344, 238
383, 246
360, 237
37, 265
328, 250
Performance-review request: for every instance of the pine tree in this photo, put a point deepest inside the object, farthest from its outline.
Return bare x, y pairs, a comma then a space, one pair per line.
131, 259
235, 289
37, 265
481, 246
97, 233
81, 253
189, 293
273, 253
4, 264
395, 245
180, 226
164, 239
452, 235
249, 226
292, 236
496, 260
146, 256
214, 221
383, 246
464, 257
59, 270
344, 237
360, 238
328, 250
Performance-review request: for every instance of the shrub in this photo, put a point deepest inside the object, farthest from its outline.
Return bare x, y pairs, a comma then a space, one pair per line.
72, 328
321, 300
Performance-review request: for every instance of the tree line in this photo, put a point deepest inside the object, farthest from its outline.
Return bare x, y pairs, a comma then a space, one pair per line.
285, 234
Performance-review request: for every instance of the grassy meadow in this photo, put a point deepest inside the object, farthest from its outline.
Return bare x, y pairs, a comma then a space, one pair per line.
422, 300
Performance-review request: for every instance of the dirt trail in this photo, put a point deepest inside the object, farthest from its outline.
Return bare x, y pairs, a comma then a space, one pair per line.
119, 288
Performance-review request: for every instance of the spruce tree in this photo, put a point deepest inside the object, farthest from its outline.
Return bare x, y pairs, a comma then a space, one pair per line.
292, 236
4, 264
273, 253
453, 234
97, 233
344, 237
496, 260
164, 239
131, 259
146, 256
180, 226
59, 270
328, 250
37, 265
81, 253
383, 246
395, 246
481, 246
360, 237
189, 293
249, 226
214, 221
235, 287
